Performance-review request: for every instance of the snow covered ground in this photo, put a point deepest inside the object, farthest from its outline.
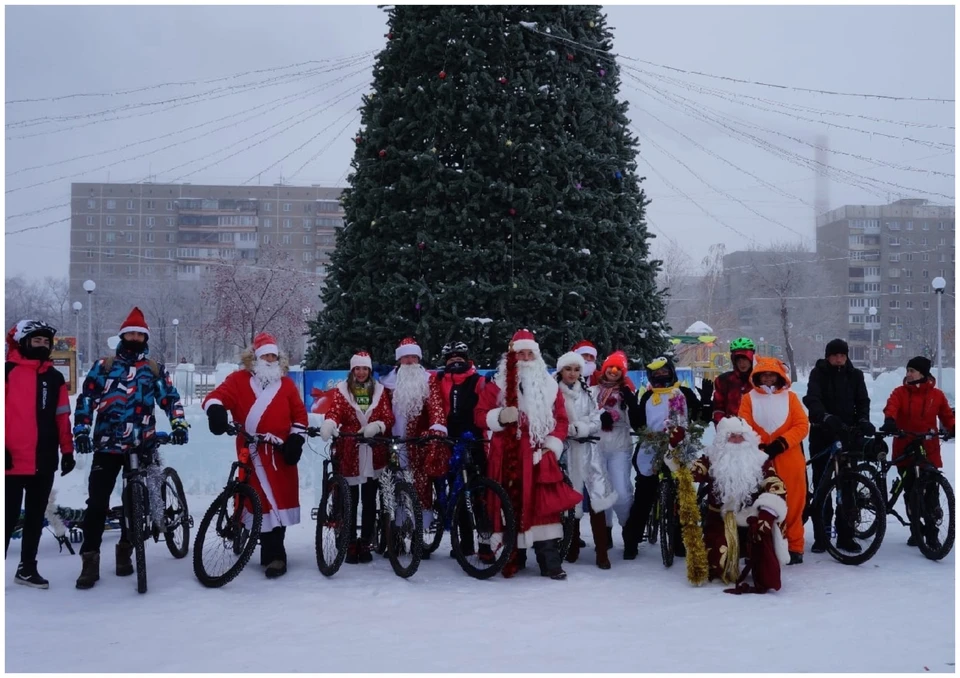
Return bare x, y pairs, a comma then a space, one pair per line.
894, 613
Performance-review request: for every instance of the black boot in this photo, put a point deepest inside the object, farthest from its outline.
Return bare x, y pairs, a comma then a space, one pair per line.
124, 552
27, 575
644, 495
90, 572
548, 557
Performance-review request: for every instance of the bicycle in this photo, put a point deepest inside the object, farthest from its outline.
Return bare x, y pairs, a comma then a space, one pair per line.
236, 529
144, 513
333, 516
568, 518
399, 528
844, 501
470, 501
924, 510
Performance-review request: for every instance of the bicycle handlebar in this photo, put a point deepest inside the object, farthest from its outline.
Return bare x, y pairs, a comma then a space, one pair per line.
926, 435
236, 428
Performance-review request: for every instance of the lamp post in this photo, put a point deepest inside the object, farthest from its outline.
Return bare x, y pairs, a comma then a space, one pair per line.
77, 307
939, 285
90, 286
761, 347
872, 314
176, 341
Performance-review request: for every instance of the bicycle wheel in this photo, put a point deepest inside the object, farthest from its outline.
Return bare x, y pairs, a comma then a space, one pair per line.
855, 530
334, 525
932, 525
135, 507
495, 548
668, 522
433, 533
653, 524
176, 515
568, 520
221, 553
404, 533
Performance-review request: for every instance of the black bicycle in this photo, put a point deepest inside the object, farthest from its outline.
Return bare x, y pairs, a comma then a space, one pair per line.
154, 503
485, 546
847, 508
235, 516
333, 516
569, 517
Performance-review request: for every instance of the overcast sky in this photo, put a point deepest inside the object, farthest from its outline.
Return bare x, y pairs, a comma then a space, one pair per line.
897, 51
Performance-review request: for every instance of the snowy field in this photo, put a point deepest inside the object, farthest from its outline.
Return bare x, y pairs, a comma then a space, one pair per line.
893, 614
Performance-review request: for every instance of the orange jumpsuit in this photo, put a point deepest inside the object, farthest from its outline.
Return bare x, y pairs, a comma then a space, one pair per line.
775, 415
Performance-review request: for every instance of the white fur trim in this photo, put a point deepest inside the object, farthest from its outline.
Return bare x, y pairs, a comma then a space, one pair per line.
133, 328
264, 396
554, 444
378, 391
773, 504
212, 401
568, 359
781, 548
588, 350
265, 349
525, 344
601, 504
408, 349
361, 361
439, 428
537, 533
493, 417
537, 456
770, 410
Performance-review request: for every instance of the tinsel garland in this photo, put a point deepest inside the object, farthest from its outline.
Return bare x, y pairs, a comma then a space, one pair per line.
511, 448
697, 568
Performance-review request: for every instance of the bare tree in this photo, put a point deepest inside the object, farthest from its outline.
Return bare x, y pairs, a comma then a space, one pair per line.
47, 300
674, 281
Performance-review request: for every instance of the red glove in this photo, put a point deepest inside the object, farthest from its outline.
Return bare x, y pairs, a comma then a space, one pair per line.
677, 435
761, 525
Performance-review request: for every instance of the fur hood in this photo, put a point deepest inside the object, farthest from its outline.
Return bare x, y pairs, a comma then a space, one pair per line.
248, 360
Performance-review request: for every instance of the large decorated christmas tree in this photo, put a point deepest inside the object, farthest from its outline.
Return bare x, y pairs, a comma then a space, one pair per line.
494, 187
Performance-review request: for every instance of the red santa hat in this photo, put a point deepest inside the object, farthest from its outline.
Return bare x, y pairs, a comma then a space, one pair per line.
616, 359
585, 348
571, 358
407, 347
263, 344
524, 340
361, 359
135, 322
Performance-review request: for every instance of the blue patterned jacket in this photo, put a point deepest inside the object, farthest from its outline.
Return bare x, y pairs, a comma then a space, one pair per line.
124, 399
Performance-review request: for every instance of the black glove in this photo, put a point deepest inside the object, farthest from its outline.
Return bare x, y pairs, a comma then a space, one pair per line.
778, 446
217, 419
9, 459
866, 428
706, 392
67, 463
179, 435
81, 440
606, 421
627, 397
947, 435
832, 423
889, 425
292, 449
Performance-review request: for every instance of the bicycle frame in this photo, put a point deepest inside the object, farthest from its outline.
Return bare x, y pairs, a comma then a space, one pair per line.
917, 455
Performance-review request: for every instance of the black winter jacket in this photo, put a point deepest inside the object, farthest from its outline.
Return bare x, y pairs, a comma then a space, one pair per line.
839, 391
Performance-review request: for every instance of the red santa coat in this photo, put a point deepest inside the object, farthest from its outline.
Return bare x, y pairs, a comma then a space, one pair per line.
545, 495
276, 410
359, 462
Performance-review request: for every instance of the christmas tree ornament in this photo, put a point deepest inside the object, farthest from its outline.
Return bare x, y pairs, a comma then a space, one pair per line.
383, 153
514, 285
433, 150
591, 24
569, 57
443, 75
617, 175
389, 36
502, 80
509, 143
373, 223
359, 140
579, 185
417, 306
422, 245
601, 72
513, 212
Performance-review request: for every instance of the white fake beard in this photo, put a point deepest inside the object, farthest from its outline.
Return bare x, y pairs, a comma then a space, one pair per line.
267, 373
411, 390
537, 396
737, 471
589, 367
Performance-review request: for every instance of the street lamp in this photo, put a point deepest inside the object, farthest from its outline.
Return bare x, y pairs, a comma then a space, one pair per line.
761, 347
77, 307
176, 341
872, 313
90, 286
939, 285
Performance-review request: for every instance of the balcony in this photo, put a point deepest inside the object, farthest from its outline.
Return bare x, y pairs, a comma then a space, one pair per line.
217, 207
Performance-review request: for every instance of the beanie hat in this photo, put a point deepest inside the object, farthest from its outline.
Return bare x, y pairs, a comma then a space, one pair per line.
920, 364
361, 359
616, 359
568, 359
407, 347
585, 348
836, 347
263, 344
524, 340
135, 322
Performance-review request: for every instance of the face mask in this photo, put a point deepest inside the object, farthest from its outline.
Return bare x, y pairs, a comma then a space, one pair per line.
40, 353
135, 347
458, 367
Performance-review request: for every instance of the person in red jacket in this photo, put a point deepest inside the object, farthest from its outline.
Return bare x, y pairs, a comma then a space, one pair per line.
915, 407
37, 417
731, 386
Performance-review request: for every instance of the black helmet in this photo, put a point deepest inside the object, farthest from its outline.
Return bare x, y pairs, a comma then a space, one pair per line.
26, 330
454, 348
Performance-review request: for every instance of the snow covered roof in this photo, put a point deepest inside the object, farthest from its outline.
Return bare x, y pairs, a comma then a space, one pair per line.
699, 327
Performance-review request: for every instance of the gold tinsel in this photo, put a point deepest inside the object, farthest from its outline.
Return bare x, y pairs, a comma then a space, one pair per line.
731, 566
697, 567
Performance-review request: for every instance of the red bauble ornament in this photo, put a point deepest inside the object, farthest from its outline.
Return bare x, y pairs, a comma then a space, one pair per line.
584, 313
569, 57
513, 212
383, 153
359, 140
502, 81
422, 246
389, 36
443, 75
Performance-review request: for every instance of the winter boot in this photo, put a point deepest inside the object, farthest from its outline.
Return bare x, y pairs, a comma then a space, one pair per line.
610, 537
90, 572
818, 547
598, 525
124, 563
353, 554
276, 568
27, 575
548, 557
365, 552
573, 553
796, 558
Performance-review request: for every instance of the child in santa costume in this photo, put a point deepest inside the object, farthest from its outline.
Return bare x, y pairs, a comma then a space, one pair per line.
418, 411
528, 421
585, 466
746, 511
360, 405
266, 401
775, 413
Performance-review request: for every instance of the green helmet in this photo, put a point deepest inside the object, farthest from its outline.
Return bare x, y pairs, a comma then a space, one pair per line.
743, 344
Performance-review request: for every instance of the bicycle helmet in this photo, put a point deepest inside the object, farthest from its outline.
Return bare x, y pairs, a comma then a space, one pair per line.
742, 344
27, 329
454, 348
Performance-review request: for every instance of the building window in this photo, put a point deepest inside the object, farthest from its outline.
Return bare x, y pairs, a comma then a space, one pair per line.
129, 221
923, 241
894, 257
170, 255
926, 289
943, 258
89, 221
907, 273
858, 303
129, 204
110, 236
942, 273
150, 237
285, 240
148, 254
287, 207
894, 289
91, 204
909, 305
129, 237
307, 224
893, 242
268, 207
871, 287
856, 255
169, 205
308, 256
288, 223
91, 269
111, 204
908, 289
336, 223
926, 273
171, 237
109, 252
308, 208
856, 319
169, 221
942, 242
926, 226
148, 271
895, 304
268, 223
909, 225
926, 257
893, 225
91, 237
908, 256
328, 206
111, 221
90, 253
926, 306
266, 238
151, 204
308, 240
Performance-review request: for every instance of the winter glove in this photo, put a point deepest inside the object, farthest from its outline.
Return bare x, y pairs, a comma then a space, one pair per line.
832, 423
217, 419
606, 421
778, 446
292, 449
374, 428
81, 439
9, 459
179, 435
676, 435
508, 415
328, 430
706, 392
947, 435
627, 397
760, 526
866, 428
67, 463
573, 431
889, 425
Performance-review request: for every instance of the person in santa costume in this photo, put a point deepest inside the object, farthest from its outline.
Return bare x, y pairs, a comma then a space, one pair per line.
266, 401
528, 421
746, 509
418, 412
360, 405
588, 352
585, 466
